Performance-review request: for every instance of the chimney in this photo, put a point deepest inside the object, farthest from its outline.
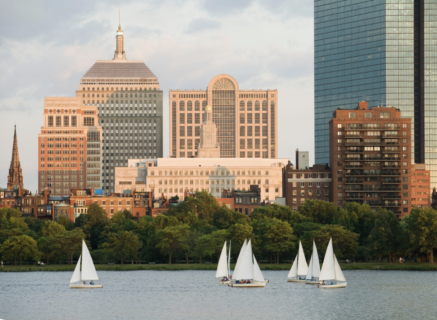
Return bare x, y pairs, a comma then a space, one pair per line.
362, 105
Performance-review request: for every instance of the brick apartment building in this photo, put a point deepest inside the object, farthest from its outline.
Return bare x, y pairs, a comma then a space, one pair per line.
370, 155
420, 186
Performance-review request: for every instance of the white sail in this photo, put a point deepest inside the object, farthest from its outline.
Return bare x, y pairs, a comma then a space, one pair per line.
229, 259
316, 262
302, 267
310, 270
338, 273
293, 270
237, 265
246, 268
257, 274
88, 269
328, 270
76, 273
222, 268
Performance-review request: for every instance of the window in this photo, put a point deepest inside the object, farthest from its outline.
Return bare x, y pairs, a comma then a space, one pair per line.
339, 141
58, 121
50, 121
340, 195
404, 125
88, 121
339, 125
405, 164
338, 133
352, 115
74, 121
384, 115
368, 115
405, 202
302, 184
404, 148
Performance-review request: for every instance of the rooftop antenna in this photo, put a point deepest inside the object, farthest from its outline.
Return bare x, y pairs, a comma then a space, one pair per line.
119, 12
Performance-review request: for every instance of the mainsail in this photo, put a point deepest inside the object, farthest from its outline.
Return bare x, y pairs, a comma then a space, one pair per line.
76, 273
245, 270
257, 274
237, 265
88, 270
328, 269
302, 267
222, 270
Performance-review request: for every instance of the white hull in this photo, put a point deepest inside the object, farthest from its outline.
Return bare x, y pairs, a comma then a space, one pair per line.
294, 280
225, 282
313, 282
85, 286
333, 286
255, 284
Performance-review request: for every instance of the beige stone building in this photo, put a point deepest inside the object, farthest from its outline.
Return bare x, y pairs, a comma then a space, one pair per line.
69, 146
246, 120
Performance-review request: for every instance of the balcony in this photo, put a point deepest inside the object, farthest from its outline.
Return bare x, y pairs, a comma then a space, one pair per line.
350, 135
354, 151
391, 181
372, 188
387, 197
387, 204
373, 203
354, 198
391, 143
391, 189
372, 159
390, 173
354, 181
391, 166
354, 166
386, 127
388, 136
391, 159
354, 189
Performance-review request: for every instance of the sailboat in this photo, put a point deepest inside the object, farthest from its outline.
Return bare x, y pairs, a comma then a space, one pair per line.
239, 259
222, 267
88, 271
249, 274
314, 268
299, 267
331, 272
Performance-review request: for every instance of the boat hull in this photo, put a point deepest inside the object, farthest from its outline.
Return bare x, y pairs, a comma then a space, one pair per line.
256, 284
85, 286
225, 282
295, 280
332, 286
313, 282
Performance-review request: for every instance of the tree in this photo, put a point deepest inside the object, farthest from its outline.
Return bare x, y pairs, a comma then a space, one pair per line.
124, 244
224, 217
63, 220
279, 237
93, 223
279, 212
211, 244
421, 226
344, 241
52, 228
171, 238
385, 234
22, 247
319, 211
240, 232
70, 241
47, 247
189, 244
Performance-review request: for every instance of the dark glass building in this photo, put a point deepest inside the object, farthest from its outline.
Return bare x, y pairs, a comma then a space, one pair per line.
383, 52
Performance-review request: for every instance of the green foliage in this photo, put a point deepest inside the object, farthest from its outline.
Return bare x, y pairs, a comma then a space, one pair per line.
20, 247
70, 241
211, 244
344, 241
123, 244
63, 220
171, 238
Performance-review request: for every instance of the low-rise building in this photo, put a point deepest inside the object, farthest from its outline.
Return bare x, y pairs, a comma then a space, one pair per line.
420, 186
314, 183
245, 201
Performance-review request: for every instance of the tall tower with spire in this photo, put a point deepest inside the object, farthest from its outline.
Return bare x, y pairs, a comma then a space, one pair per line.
119, 42
15, 177
208, 147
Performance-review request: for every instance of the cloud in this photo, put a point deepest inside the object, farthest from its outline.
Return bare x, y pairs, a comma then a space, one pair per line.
201, 24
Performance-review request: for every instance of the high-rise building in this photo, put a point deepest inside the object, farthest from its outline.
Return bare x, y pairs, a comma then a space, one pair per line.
382, 52
69, 146
129, 102
246, 120
371, 158
15, 176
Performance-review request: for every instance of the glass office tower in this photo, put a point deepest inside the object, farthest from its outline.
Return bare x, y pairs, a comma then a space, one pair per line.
383, 52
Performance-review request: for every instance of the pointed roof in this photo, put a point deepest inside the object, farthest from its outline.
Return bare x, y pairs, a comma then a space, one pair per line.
111, 69
15, 177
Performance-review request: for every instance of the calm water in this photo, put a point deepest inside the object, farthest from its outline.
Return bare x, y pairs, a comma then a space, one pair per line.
196, 295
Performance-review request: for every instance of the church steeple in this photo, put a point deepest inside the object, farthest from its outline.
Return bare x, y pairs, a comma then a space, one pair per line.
119, 41
15, 177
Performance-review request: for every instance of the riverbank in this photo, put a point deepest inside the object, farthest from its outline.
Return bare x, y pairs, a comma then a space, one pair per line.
415, 266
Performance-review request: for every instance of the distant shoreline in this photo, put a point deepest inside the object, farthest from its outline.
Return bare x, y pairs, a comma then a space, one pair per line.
415, 266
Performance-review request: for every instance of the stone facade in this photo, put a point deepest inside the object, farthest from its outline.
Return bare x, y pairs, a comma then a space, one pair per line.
246, 120
208, 147
15, 177
129, 101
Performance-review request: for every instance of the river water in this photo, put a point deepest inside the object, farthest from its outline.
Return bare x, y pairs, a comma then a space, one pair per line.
197, 295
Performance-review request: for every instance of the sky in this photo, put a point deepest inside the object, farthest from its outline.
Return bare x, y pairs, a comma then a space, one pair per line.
46, 46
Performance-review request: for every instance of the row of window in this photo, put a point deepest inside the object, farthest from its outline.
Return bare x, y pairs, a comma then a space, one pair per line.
209, 173
212, 181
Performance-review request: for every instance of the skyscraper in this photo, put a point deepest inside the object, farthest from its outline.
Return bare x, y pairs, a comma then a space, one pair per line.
129, 102
15, 177
382, 52
246, 120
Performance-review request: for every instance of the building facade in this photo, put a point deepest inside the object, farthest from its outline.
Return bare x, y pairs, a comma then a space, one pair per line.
172, 177
246, 120
383, 52
309, 183
371, 158
69, 146
420, 186
129, 102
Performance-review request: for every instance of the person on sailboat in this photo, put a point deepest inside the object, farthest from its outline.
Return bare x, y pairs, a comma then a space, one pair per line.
84, 282
323, 283
92, 282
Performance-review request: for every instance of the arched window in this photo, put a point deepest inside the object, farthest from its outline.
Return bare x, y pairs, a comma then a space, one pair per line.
181, 106
265, 105
249, 105
204, 103
173, 104
197, 106
189, 106
257, 105
242, 107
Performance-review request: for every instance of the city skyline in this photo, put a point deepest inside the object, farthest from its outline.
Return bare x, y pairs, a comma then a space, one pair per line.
70, 47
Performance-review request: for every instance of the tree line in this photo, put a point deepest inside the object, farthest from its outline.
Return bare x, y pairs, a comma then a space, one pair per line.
196, 229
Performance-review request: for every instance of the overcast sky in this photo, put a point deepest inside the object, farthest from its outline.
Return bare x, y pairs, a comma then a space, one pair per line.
46, 46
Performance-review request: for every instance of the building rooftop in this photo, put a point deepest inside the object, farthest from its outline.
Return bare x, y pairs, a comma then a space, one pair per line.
111, 69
